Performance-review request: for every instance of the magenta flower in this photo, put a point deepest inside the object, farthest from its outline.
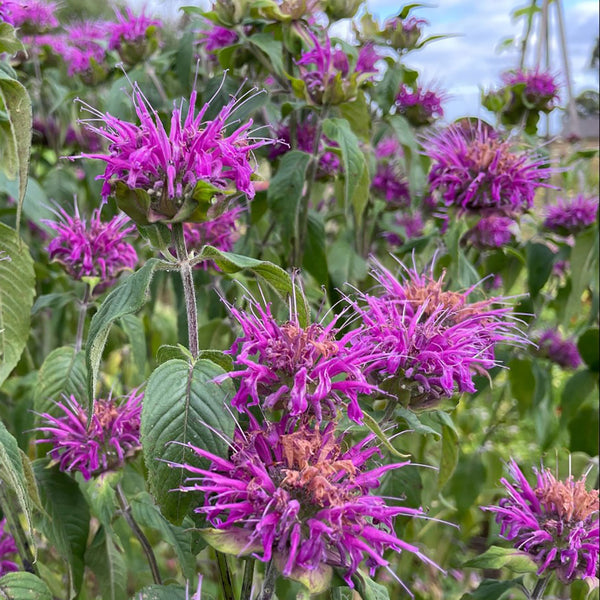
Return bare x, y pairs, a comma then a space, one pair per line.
389, 183
31, 16
554, 522
430, 341
389, 147
540, 88
113, 435
95, 251
326, 71
474, 170
216, 37
173, 168
419, 106
304, 370
134, 37
563, 352
570, 216
299, 498
494, 231
8, 550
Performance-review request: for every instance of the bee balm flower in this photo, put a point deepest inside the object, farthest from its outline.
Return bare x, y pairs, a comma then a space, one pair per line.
8, 550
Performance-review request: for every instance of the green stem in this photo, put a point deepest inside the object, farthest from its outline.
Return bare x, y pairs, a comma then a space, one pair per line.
185, 268
139, 534
83, 308
225, 576
539, 589
246, 592
269, 582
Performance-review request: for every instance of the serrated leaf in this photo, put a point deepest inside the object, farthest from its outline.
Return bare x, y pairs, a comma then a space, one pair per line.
496, 557
272, 274
108, 566
16, 298
21, 585
179, 402
62, 373
18, 105
167, 352
67, 519
127, 298
449, 458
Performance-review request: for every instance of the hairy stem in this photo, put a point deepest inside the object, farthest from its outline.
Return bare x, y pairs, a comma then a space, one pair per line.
139, 534
539, 589
225, 576
185, 268
246, 593
83, 308
269, 582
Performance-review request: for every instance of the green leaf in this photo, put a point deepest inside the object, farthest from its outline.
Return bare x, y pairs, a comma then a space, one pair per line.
134, 329
108, 566
162, 592
584, 431
127, 298
416, 174
496, 557
345, 264
180, 404
357, 114
9, 43
449, 458
369, 589
234, 541
67, 519
146, 513
16, 298
18, 105
490, 589
372, 424
584, 258
356, 172
539, 266
466, 482
100, 495
316, 580
21, 585
271, 47
577, 390
414, 423
315, 256
588, 346
167, 352
62, 373
274, 275
522, 383
285, 191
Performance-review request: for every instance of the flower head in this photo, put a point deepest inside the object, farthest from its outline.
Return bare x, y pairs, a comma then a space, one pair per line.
554, 347
113, 434
98, 250
304, 370
540, 88
555, 522
475, 170
8, 550
403, 34
419, 106
134, 37
570, 216
84, 51
216, 37
31, 16
389, 180
299, 498
195, 159
493, 231
430, 341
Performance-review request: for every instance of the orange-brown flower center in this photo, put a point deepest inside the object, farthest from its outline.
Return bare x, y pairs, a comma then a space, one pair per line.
571, 499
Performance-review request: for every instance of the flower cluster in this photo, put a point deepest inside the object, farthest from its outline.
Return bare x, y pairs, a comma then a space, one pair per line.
327, 74
431, 342
31, 16
411, 224
220, 231
215, 37
168, 167
564, 353
539, 88
494, 231
98, 250
403, 34
113, 434
570, 216
295, 496
133, 36
475, 170
555, 522
389, 181
304, 370
8, 550
419, 106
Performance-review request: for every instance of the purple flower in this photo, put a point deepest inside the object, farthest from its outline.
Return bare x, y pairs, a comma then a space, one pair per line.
8, 549
555, 522
134, 37
216, 37
540, 88
412, 224
389, 183
304, 370
403, 34
429, 341
113, 435
30, 16
563, 352
389, 148
95, 251
299, 498
494, 231
570, 216
170, 166
326, 71
473, 169
419, 106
